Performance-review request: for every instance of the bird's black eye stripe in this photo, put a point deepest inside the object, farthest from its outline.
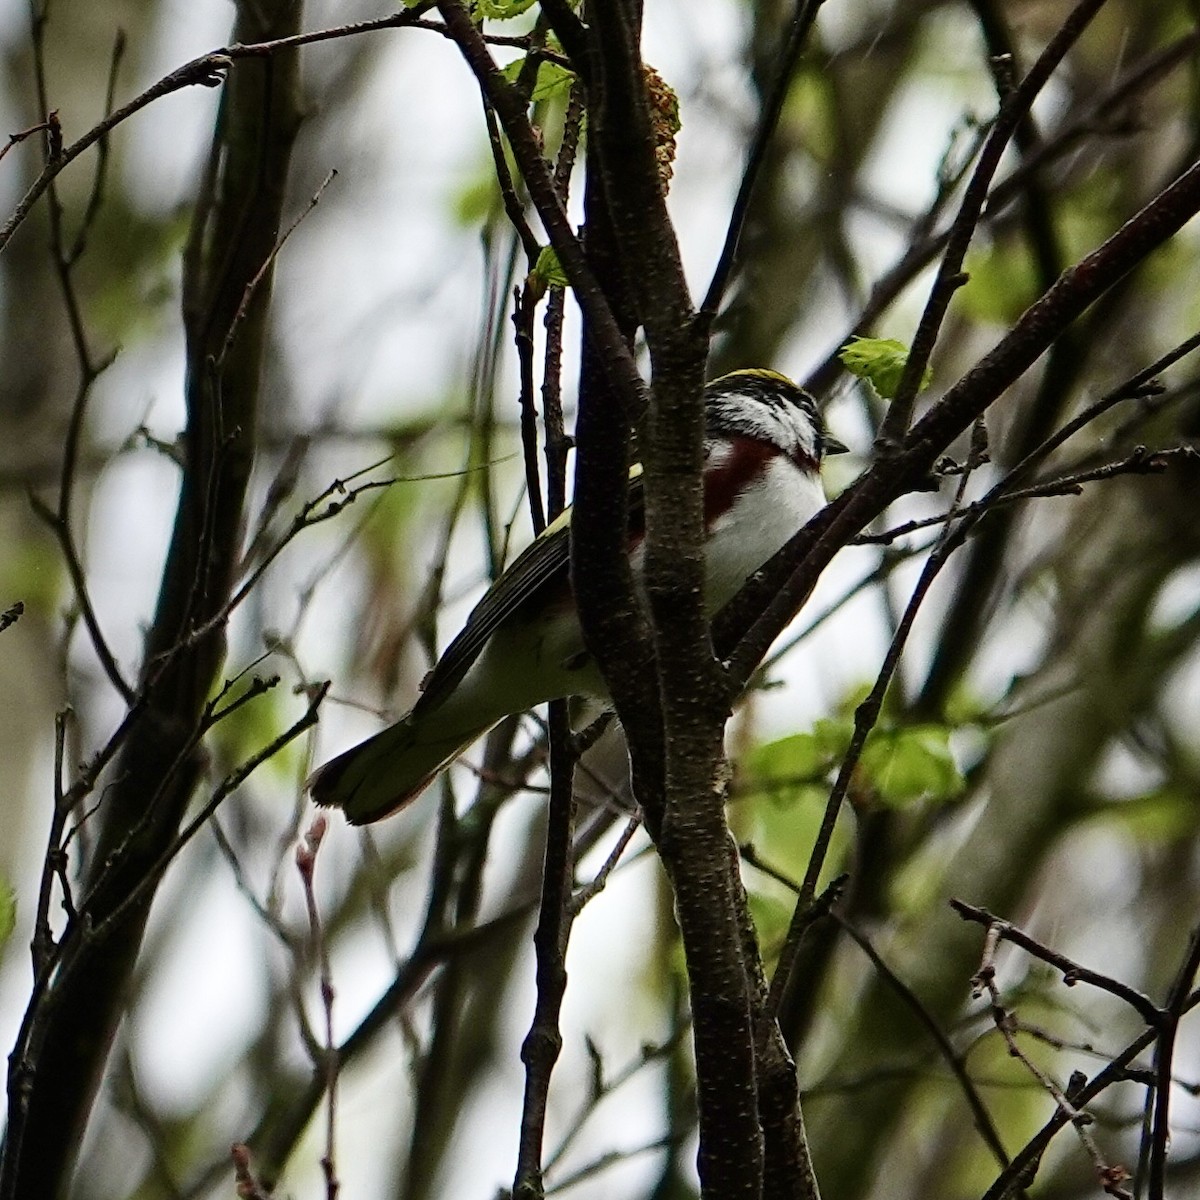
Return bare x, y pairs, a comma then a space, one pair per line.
774, 391
769, 407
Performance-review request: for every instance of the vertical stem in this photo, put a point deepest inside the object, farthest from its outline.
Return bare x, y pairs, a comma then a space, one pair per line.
543, 1043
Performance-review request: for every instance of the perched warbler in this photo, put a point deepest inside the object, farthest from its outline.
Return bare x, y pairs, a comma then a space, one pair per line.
522, 645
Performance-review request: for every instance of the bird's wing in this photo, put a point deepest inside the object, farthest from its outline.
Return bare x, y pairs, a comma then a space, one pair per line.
529, 579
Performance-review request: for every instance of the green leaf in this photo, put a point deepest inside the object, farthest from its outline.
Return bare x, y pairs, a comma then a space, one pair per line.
501, 10
771, 914
478, 201
901, 764
1002, 284
880, 361
1153, 818
965, 706
811, 106
8, 913
32, 570
788, 768
552, 78
246, 730
547, 271
779, 811
911, 764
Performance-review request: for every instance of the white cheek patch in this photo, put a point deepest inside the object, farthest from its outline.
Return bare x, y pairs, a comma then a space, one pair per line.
717, 453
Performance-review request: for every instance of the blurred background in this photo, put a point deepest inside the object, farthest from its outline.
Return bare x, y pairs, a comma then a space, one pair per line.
1039, 753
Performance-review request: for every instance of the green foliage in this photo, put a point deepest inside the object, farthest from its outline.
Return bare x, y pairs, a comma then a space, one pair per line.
478, 200
900, 765
8, 913
548, 269
911, 764
130, 271
552, 79
1154, 818
788, 768
881, 362
782, 828
965, 706
33, 571
784, 788
1002, 284
771, 913
501, 10
809, 109
1062, 663
253, 725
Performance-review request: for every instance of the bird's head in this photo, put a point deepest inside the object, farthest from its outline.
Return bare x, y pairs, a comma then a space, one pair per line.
768, 407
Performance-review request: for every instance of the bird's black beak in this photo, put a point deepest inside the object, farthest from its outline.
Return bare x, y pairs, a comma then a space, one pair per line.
833, 446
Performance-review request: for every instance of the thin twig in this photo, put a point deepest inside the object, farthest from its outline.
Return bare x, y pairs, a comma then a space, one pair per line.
306, 861
1111, 1177
612, 1158
15, 139
950, 277
592, 889
89, 367
223, 790
924, 244
1139, 461
1119, 1069
256, 279
745, 629
248, 1188
206, 71
330, 503
57, 523
604, 1086
953, 1059
1072, 972
543, 1043
54, 862
524, 308
95, 199
768, 120
558, 443
11, 615
865, 717
513, 207
1164, 1053
613, 353
890, 560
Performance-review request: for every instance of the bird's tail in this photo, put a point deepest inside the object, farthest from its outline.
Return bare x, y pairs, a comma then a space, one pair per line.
375, 778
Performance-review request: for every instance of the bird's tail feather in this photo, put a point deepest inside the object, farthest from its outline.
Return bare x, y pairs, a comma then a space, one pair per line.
375, 778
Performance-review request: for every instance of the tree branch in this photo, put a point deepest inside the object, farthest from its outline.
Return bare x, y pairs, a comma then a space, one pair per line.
57, 1064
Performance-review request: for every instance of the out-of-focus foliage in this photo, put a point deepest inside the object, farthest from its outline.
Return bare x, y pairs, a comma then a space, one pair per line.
880, 361
1065, 801
552, 80
8, 913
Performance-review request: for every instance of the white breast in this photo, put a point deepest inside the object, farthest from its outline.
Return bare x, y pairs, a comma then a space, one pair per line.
763, 519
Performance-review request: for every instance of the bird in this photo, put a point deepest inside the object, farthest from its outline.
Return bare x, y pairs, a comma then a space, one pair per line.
522, 645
